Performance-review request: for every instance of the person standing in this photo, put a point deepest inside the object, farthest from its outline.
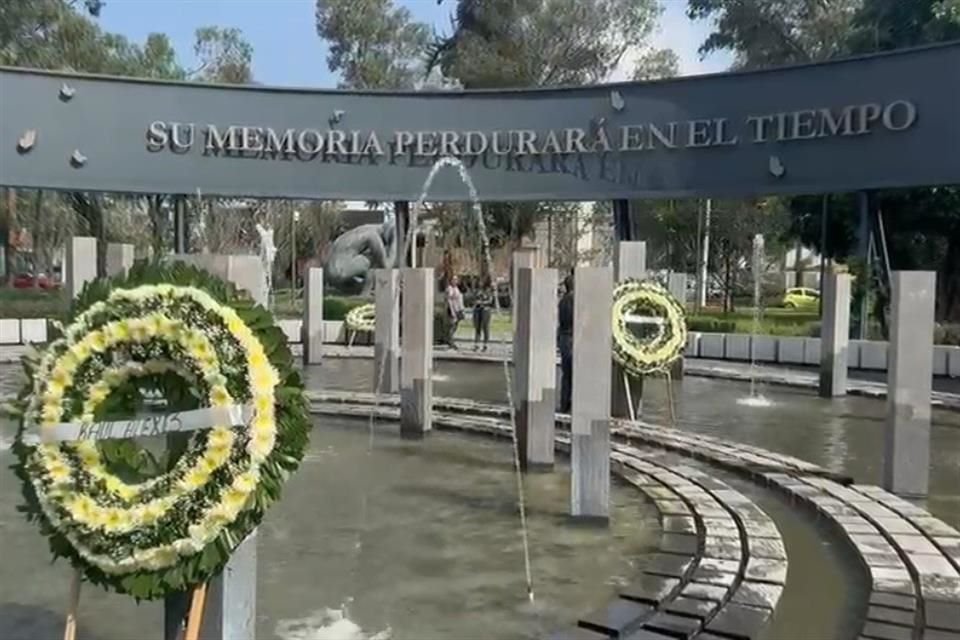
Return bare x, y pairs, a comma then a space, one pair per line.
565, 344
482, 309
454, 308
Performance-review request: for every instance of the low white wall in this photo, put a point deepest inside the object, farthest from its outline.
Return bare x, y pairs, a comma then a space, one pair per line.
861, 354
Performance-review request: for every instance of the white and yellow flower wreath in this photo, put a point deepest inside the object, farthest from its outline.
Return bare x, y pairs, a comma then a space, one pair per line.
362, 318
161, 534
639, 356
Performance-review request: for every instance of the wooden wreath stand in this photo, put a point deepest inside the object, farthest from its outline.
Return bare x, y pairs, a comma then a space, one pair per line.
189, 629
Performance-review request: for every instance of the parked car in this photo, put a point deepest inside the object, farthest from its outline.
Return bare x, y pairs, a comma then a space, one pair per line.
801, 298
30, 281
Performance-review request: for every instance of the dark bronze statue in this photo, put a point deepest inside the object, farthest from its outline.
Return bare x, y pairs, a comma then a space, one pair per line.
356, 252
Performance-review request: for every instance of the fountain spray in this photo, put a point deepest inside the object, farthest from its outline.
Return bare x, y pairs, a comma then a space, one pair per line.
411, 232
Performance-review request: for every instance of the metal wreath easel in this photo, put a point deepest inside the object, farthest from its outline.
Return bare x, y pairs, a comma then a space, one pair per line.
663, 370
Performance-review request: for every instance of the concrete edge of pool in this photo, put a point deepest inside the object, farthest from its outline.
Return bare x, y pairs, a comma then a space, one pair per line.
721, 565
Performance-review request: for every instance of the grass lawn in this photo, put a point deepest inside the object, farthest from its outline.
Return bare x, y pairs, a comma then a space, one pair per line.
33, 303
775, 321
40, 303
501, 326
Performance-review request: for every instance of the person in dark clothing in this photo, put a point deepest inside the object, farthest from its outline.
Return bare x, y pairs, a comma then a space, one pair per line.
482, 306
565, 343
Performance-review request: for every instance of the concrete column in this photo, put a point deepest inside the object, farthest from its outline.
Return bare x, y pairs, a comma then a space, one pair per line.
590, 413
535, 365
244, 271
416, 352
386, 337
835, 335
677, 285
312, 326
81, 263
906, 459
230, 611
119, 258
526, 257
629, 261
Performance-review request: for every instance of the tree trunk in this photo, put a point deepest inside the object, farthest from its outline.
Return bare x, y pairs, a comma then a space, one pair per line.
949, 280
727, 283
37, 239
11, 224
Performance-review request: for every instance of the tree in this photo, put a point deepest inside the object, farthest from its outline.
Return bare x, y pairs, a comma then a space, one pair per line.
882, 25
511, 43
225, 56
373, 44
656, 64
764, 33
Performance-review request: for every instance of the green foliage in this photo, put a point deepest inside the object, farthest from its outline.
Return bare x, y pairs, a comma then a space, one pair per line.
337, 308
773, 321
764, 33
372, 43
515, 43
225, 56
711, 325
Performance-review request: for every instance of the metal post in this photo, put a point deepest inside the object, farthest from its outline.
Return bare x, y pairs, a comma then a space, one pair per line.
623, 230
293, 253
180, 244
704, 257
824, 212
402, 212
863, 249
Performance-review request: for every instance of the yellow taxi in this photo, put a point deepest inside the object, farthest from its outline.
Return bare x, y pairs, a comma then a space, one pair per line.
801, 298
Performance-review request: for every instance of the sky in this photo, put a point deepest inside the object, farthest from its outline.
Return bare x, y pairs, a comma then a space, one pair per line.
288, 52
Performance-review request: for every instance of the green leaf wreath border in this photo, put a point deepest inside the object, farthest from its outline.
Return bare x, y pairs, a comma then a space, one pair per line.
281, 455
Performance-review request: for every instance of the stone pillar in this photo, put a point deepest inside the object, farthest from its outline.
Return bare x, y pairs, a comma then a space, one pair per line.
81, 263
386, 338
906, 459
312, 327
677, 285
119, 258
244, 271
525, 257
231, 609
835, 335
535, 365
629, 261
416, 352
590, 413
